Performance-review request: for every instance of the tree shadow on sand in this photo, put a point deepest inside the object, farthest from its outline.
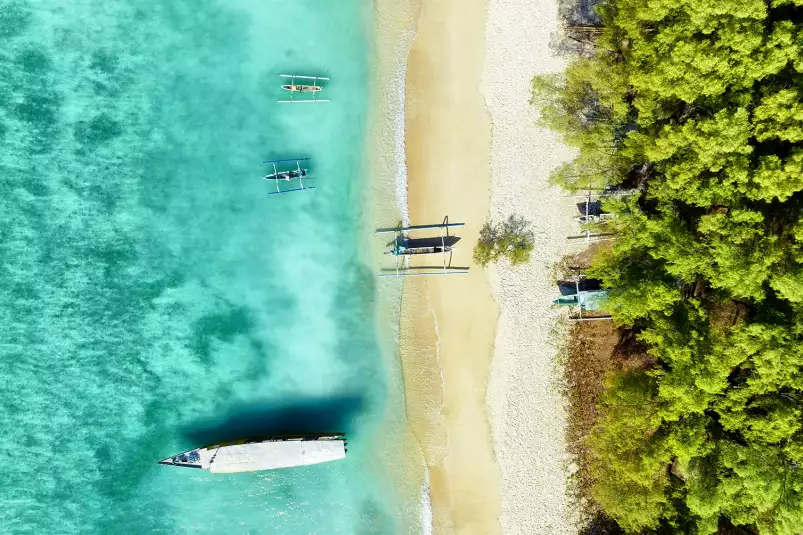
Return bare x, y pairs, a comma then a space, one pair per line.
579, 21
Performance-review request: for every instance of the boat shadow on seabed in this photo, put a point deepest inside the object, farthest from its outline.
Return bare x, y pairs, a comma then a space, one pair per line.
271, 418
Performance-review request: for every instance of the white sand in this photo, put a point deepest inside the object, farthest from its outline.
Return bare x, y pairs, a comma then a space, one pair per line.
526, 408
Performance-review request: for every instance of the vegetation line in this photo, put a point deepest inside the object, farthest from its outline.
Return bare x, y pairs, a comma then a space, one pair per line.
697, 105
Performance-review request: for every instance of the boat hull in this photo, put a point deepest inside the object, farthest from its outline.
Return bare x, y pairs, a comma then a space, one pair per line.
302, 88
286, 175
257, 454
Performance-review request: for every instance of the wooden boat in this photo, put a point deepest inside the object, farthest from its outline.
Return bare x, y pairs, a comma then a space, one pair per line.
302, 88
288, 175
312, 88
404, 247
583, 294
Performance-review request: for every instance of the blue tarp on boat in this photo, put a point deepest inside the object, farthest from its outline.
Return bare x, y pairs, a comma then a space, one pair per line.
593, 300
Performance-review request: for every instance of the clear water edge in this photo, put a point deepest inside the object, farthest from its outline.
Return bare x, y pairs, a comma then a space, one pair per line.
155, 300
396, 26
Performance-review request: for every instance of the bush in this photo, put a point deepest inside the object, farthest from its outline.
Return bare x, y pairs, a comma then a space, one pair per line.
512, 238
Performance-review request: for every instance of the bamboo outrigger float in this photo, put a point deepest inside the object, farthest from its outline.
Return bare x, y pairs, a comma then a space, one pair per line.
405, 247
312, 88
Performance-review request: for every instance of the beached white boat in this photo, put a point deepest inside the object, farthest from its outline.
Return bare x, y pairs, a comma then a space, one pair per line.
255, 454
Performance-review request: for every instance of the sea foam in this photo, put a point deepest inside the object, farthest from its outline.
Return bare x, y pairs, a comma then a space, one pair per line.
396, 108
426, 507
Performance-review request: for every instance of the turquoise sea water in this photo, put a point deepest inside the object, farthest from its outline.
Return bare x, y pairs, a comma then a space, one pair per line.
154, 298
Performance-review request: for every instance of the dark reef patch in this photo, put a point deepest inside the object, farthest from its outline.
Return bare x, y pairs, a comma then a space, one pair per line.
97, 131
34, 61
39, 109
104, 62
14, 19
223, 327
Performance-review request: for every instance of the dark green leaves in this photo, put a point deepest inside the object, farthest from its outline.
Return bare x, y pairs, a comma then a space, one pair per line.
699, 105
512, 239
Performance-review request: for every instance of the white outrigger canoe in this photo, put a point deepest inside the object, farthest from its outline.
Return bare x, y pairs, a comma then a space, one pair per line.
312, 88
255, 454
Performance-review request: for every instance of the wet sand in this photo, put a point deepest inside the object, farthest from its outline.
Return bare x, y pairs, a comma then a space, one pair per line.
483, 398
448, 322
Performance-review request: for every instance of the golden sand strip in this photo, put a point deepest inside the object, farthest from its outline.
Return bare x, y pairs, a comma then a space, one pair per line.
447, 327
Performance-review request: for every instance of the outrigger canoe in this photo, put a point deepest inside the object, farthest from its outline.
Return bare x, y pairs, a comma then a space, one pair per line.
311, 88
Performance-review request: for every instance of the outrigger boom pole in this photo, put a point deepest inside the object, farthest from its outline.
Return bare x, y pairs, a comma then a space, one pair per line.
287, 176
417, 227
399, 250
431, 274
314, 99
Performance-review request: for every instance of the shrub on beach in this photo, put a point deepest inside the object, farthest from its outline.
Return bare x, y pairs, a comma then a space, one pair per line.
698, 106
512, 238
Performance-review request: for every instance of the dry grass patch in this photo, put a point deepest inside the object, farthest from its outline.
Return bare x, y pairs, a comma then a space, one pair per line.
591, 359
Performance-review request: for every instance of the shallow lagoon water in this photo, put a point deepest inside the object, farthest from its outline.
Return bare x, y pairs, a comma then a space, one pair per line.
154, 297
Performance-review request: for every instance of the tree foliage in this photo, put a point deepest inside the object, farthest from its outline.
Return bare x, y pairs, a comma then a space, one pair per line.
698, 106
512, 238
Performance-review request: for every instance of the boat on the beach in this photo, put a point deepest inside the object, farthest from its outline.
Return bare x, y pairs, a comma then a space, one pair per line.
311, 89
583, 295
593, 213
403, 246
267, 453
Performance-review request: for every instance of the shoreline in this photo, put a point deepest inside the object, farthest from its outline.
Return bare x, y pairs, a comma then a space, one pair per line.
395, 29
447, 323
477, 353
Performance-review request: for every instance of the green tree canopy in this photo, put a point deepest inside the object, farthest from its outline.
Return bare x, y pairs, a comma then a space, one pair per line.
698, 106
512, 239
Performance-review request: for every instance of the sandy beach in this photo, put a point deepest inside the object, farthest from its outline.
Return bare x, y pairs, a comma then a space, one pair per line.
524, 399
478, 351
448, 322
